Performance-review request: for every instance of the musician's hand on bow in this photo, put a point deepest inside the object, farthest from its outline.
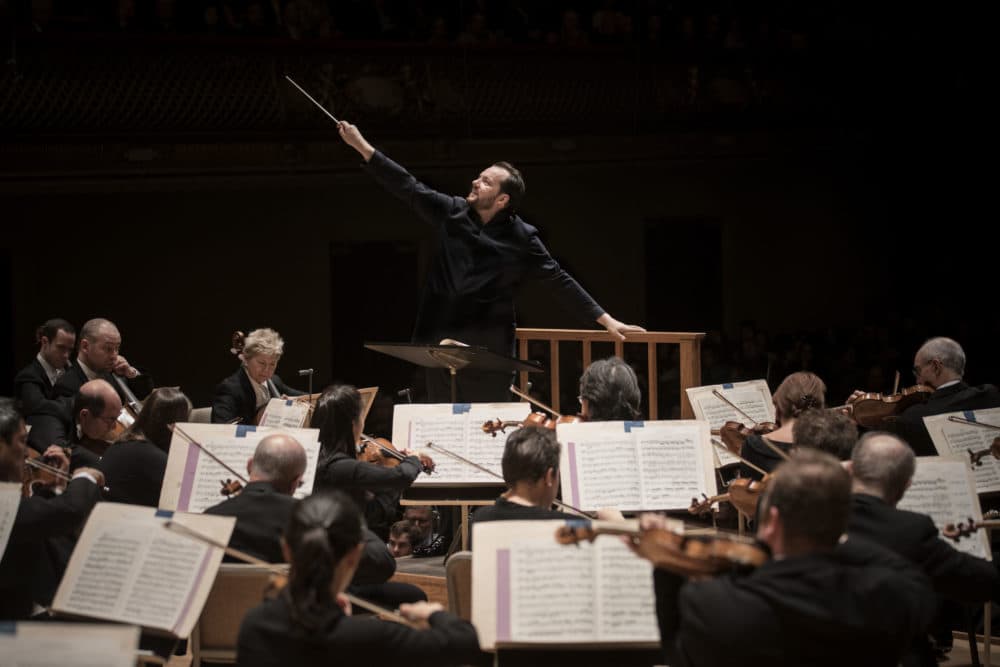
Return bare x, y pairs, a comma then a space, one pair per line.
420, 612
56, 456
855, 395
426, 462
616, 328
352, 137
95, 473
610, 514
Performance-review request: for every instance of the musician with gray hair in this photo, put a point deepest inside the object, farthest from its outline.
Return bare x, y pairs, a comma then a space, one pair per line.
940, 365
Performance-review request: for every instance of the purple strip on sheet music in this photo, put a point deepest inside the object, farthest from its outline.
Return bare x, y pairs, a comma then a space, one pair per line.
574, 485
503, 595
194, 588
187, 479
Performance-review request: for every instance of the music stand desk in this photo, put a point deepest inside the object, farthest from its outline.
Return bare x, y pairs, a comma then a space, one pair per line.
455, 358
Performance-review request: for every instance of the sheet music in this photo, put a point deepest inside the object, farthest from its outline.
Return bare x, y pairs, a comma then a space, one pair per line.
128, 567
955, 438
10, 499
457, 428
528, 589
635, 466
192, 481
752, 397
285, 413
29, 644
944, 490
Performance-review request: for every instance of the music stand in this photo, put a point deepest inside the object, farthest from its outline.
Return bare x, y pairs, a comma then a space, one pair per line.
455, 358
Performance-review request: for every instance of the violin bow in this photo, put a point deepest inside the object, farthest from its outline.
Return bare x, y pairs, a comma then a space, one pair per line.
177, 429
961, 420
459, 457
277, 569
738, 457
718, 395
514, 390
774, 448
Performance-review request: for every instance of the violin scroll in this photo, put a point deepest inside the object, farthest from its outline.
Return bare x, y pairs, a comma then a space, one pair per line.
230, 487
238, 342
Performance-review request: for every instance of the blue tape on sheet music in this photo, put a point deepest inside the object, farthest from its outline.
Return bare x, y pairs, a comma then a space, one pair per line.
970, 415
164, 514
8, 628
631, 425
460, 408
727, 385
289, 402
243, 429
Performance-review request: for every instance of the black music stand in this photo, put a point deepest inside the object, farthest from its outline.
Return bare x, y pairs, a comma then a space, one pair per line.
456, 358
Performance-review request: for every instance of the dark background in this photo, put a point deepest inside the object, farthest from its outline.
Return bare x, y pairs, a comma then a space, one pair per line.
807, 184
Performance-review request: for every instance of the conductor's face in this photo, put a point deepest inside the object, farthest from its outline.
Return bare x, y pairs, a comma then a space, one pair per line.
485, 192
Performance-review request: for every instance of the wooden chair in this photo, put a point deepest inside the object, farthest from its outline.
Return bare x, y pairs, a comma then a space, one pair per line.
238, 588
458, 574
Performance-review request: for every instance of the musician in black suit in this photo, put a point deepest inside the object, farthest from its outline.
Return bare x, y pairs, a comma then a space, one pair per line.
530, 466
374, 488
97, 358
31, 569
882, 466
245, 392
308, 623
35, 384
136, 462
263, 508
940, 365
816, 602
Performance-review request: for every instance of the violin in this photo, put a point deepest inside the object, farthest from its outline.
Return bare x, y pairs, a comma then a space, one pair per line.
874, 410
382, 452
537, 419
734, 434
976, 457
957, 531
743, 493
40, 475
701, 555
230, 487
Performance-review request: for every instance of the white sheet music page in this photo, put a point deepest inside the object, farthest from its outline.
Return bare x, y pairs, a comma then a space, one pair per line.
633, 466
10, 499
752, 397
128, 567
458, 428
956, 438
529, 590
285, 413
944, 490
192, 481
28, 644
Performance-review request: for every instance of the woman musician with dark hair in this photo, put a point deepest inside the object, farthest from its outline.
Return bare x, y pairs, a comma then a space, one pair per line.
310, 623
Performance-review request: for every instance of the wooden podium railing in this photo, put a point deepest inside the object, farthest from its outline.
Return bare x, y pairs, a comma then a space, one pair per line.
690, 358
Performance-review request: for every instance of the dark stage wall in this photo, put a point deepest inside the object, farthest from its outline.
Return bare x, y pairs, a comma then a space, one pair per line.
179, 264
